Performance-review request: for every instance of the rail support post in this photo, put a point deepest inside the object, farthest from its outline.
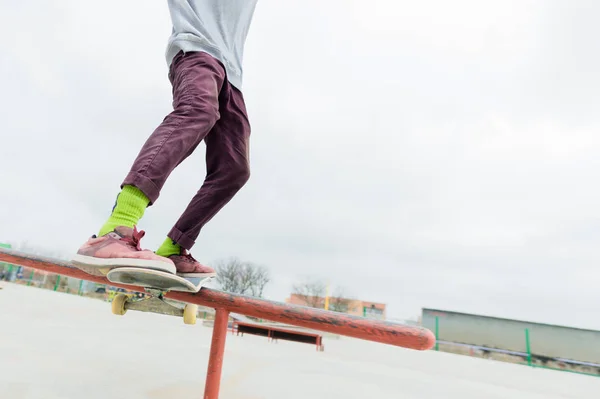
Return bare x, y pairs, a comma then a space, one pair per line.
217, 349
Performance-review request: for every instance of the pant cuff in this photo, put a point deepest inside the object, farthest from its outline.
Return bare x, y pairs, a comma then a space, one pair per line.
144, 184
181, 238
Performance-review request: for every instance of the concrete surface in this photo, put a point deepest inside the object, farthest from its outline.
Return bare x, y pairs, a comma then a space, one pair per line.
56, 345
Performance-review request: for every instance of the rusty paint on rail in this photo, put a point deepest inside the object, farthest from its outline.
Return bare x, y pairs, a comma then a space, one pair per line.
412, 337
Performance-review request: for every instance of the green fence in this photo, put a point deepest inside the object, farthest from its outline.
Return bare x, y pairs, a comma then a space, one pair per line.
528, 357
5, 268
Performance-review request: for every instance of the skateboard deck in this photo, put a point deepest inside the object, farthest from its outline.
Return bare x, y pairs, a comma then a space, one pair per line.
156, 284
155, 279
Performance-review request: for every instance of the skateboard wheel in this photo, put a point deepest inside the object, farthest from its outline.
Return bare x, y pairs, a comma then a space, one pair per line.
118, 304
189, 313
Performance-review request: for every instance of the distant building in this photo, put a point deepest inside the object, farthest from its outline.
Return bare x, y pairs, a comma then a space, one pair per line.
516, 336
371, 310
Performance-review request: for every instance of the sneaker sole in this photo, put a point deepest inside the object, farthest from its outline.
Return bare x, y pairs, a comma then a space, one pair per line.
101, 266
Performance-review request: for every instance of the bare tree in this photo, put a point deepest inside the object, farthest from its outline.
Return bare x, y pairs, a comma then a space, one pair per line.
312, 292
228, 272
261, 278
340, 301
244, 278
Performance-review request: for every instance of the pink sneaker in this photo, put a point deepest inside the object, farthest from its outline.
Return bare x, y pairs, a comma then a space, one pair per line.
189, 267
119, 248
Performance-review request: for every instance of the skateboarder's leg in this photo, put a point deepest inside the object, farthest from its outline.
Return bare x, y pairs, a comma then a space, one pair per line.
197, 80
227, 164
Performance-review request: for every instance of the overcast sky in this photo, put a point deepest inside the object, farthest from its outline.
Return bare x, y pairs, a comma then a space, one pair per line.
422, 154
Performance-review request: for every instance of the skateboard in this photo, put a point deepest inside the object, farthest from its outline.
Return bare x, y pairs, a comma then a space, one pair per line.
156, 284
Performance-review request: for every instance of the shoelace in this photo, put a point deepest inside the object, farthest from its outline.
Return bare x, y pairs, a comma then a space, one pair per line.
135, 239
188, 256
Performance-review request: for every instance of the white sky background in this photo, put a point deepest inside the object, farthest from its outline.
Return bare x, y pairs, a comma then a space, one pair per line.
432, 153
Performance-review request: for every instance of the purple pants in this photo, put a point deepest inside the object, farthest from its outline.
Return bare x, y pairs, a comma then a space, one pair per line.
205, 107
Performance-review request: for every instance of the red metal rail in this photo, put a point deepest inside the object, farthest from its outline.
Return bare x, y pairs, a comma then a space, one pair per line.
412, 337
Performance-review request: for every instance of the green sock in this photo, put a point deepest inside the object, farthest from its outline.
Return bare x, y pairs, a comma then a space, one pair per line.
168, 248
129, 209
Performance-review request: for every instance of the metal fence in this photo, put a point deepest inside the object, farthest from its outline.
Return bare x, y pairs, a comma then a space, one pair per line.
534, 344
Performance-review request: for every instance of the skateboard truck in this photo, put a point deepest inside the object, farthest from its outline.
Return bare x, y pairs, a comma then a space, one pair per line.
156, 284
155, 304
